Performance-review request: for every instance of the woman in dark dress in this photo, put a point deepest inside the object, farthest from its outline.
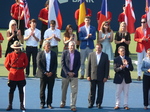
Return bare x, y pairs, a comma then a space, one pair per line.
122, 38
13, 34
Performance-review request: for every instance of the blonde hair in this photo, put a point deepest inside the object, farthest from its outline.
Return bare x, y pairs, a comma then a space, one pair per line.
120, 28
10, 25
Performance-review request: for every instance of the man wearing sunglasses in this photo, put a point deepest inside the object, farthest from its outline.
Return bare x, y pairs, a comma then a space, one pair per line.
142, 37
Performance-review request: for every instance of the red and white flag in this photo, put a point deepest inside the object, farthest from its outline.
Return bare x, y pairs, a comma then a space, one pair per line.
129, 16
24, 4
148, 12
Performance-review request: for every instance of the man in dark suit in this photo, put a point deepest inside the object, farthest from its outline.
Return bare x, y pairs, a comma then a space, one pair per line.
122, 67
47, 65
70, 62
97, 74
87, 35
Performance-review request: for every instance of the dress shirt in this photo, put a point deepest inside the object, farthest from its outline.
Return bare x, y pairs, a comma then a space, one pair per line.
98, 57
87, 31
71, 60
123, 57
146, 66
48, 62
31, 41
49, 32
144, 32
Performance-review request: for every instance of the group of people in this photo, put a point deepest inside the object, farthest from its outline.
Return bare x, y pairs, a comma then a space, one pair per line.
97, 71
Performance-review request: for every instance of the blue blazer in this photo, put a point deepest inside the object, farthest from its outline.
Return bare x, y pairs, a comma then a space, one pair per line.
121, 74
65, 62
83, 34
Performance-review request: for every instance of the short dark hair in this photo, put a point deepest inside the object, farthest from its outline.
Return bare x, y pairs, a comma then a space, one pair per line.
53, 22
32, 20
46, 3
88, 17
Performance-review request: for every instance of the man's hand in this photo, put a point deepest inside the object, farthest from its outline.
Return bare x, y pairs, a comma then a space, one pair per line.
88, 78
105, 80
148, 70
71, 74
88, 36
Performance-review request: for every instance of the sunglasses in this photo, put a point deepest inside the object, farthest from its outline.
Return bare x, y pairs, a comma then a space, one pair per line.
13, 24
143, 22
106, 25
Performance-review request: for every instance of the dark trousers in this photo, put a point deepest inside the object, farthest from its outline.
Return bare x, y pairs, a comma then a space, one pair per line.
43, 29
49, 82
31, 51
146, 88
14, 84
100, 86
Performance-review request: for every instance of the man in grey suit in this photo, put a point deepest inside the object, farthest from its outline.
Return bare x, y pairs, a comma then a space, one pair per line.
97, 74
70, 62
47, 65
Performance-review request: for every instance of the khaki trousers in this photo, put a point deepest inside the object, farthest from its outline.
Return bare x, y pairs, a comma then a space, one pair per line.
74, 90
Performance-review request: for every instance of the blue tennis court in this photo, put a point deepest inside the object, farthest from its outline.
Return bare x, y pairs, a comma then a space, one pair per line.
32, 100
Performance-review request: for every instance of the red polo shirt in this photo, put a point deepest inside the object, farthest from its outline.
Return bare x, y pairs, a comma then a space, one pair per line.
109, 15
44, 15
121, 17
76, 15
15, 11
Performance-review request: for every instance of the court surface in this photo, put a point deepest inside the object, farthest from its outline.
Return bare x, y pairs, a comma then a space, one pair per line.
32, 100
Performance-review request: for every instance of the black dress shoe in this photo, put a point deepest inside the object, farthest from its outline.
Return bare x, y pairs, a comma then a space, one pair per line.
99, 106
90, 106
50, 106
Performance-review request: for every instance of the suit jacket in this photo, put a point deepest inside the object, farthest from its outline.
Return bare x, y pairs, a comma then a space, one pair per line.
138, 38
100, 71
41, 64
83, 34
121, 74
65, 62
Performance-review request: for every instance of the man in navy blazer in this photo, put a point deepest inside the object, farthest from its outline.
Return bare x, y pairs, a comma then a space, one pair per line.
47, 65
70, 62
122, 79
87, 35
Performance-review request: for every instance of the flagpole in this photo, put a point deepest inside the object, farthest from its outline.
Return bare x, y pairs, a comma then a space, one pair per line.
19, 17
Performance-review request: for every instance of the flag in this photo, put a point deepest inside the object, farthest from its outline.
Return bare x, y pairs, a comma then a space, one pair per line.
54, 13
24, 4
148, 12
82, 13
129, 16
103, 14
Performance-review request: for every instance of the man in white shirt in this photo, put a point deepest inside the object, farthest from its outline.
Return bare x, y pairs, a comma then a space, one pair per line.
32, 37
54, 36
47, 65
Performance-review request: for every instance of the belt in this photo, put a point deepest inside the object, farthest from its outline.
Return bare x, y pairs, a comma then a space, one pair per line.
32, 46
53, 46
18, 68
